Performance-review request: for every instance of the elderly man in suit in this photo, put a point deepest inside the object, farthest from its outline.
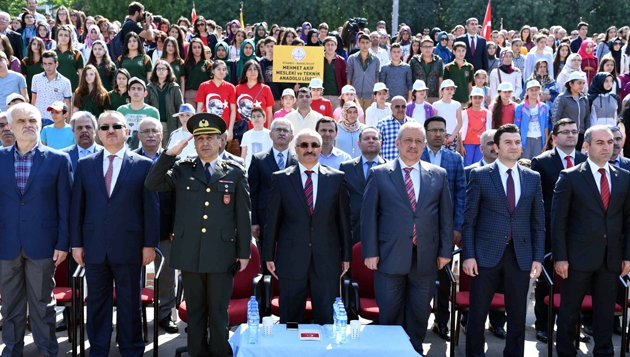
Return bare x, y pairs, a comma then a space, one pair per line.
311, 227
14, 37
114, 231
357, 171
549, 165
590, 227
435, 153
34, 236
407, 233
84, 129
476, 51
503, 235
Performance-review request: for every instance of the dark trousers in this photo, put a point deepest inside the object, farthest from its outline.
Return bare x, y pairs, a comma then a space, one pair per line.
293, 294
404, 300
541, 292
100, 282
207, 300
482, 289
497, 317
603, 283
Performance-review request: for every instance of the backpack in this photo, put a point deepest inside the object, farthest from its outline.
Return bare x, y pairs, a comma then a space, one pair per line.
118, 43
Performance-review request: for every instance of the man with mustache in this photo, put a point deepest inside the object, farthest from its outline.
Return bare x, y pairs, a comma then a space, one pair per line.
311, 229
33, 232
390, 126
84, 129
6, 135
590, 227
549, 165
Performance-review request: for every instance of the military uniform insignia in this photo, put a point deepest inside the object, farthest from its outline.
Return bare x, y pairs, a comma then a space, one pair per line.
226, 199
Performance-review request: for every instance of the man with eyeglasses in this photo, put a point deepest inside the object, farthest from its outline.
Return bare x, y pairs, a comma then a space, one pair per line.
136, 110
389, 127
429, 68
212, 229
114, 233
407, 233
304, 117
83, 126
311, 229
14, 37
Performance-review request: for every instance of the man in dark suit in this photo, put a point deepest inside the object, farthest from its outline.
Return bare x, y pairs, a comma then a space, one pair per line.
548, 165
615, 159
34, 237
357, 171
14, 37
407, 233
590, 227
226, 155
150, 135
84, 129
312, 231
435, 153
263, 165
476, 51
212, 231
114, 232
503, 235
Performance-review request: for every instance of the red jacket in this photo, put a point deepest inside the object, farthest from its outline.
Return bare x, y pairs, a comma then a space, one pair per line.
340, 72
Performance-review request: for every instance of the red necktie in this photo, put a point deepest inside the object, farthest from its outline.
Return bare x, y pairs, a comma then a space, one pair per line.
605, 190
412, 198
308, 190
109, 174
472, 46
569, 163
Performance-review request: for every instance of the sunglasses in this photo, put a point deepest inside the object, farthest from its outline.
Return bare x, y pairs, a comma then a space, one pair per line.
404, 106
105, 127
617, 44
306, 145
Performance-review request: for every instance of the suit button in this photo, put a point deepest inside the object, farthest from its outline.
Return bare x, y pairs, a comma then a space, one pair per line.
208, 189
605, 236
22, 203
231, 240
310, 244
205, 216
203, 230
188, 188
207, 204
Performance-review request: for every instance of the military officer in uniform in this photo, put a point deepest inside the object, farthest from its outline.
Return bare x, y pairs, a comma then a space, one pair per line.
212, 229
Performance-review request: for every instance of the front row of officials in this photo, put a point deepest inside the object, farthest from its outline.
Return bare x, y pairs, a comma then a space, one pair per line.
107, 216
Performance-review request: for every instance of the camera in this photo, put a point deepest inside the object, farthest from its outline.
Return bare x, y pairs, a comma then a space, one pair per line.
357, 23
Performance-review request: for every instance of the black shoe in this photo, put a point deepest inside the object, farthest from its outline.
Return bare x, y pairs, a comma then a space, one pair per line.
585, 338
497, 331
442, 330
587, 330
168, 325
617, 330
541, 336
61, 326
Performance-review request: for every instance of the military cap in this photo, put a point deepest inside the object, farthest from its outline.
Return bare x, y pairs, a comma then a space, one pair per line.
206, 123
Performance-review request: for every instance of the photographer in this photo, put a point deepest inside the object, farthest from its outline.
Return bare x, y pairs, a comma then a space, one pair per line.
136, 16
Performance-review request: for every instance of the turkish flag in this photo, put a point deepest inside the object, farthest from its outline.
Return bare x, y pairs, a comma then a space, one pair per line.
487, 23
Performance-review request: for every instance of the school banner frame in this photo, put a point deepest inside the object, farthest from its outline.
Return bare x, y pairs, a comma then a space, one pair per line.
297, 64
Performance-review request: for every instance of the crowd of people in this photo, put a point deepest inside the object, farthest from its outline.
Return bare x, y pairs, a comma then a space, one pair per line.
510, 148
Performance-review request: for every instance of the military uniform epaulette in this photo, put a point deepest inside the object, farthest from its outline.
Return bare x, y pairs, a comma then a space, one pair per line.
235, 164
186, 161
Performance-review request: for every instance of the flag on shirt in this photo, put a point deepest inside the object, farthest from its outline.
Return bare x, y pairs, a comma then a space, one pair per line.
487, 23
193, 14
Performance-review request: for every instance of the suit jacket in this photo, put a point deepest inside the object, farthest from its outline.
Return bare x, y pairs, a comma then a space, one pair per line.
624, 162
262, 166
116, 227
387, 219
468, 169
227, 156
453, 163
488, 221
212, 224
548, 165
356, 185
325, 236
581, 229
16, 43
37, 220
73, 152
480, 59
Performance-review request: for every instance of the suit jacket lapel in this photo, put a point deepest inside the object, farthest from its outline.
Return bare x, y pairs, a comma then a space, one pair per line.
293, 159
557, 162
296, 180
426, 184
270, 159
127, 162
590, 180
98, 171
199, 172
358, 168
218, 173
614, 177
396, 176
38, 160
11, 168
322, 185
495, 175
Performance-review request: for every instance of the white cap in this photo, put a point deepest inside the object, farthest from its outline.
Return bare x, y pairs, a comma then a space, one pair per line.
577, 75
13, 96
476, 92
533, 83
419, 85
447, 83
316, 83
288, 91
379, 86
348, 88
505, 87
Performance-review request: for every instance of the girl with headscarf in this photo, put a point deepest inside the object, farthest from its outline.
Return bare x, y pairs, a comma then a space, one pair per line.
621, 59
43, 32
312, 39
28, 29
341, 51
441, 48
548, 88
589, 61
231, 29
605, 106
433, 34
247, 53
404, 38
260, 32
93, 34
222, 52
306, 27
572, 64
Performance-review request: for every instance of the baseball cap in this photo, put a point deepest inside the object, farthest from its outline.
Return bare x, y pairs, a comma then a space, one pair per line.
505, 87
577, 75
447, 83
288, 91
13, 96
316, 83
348, 89
476, 92
532, 83
137, 80
379, 86
185, 109
58, 105
419, 85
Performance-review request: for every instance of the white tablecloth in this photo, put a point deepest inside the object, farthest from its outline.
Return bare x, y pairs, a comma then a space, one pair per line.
375, 341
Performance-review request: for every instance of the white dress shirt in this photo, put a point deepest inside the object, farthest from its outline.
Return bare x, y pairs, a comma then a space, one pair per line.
314, 179
414, 175
597, 176
563, 155
117, 165
515, 176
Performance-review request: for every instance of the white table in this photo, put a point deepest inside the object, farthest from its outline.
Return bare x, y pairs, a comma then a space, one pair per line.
375, 341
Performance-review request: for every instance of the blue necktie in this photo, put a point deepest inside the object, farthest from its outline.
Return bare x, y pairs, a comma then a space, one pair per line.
369, 165
280, 161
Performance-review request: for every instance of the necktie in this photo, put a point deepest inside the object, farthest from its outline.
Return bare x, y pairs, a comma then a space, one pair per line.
109, 174
605, 190
308, 190
207, 168
569, 162
472, 45
511, 195
614, 162
412, 198
369, 165
280, 161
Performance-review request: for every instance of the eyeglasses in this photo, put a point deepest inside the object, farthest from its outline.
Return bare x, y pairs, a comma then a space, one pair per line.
105, 127
150, 131
403, 106
73, 15
306, 145
616, 43
576, 60
444, 39
161, 69
435, 131
200, 25
567, 132
282, 130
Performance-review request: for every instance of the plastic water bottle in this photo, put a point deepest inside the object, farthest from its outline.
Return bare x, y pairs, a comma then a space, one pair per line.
253, 318
342, 323
335, 312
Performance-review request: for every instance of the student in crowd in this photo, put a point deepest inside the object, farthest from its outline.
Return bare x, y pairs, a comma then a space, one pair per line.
607, 64
442, 50
349, 129
573, 64
256, 139
573, 104
119, 95
59, 135
493, 56
71, 61
348, 94
532, 118
251, 89
605, 106
134, 59
164, 94
247, 52
185, 112
536, 54
91, 96
503, 107
288, 101
451, 110
518, 56
99, 58
396, 74
420, 109
94, 34
460, 72
428, 68
218, 96
380, 108
174, 58
319, 104
237, 42
615, 52
590, 63
481, 82
32, 63
136, 110
560, 59
334, 71
475, 121
197, 69
362, 71
549, 89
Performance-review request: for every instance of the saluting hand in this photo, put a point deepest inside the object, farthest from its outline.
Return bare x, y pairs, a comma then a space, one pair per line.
178, 147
